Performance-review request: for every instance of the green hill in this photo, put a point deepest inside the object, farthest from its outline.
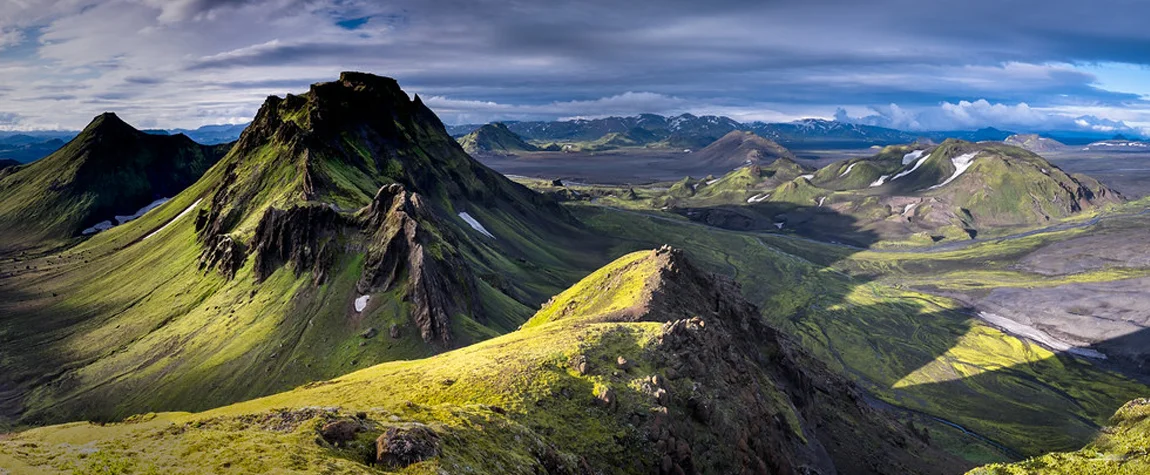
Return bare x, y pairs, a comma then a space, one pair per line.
494, 139
1120, 449
650, 365
345, 228
110, 169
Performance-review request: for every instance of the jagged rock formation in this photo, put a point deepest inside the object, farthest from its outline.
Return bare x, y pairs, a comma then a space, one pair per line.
438, 286
300, 235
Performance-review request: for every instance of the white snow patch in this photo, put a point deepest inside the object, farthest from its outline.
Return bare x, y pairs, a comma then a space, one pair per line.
806, 176
153, 205
908, 172
100, 226
780, 225
851, 167
177, 218
961, 163
712, 182
758, 198
879, 181
912, 156
821, 200
106, 225
908, 208
475, 224
361, 302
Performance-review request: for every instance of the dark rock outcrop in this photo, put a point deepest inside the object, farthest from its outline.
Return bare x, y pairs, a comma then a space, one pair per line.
400, 447
438, 283
225, 255
301, 235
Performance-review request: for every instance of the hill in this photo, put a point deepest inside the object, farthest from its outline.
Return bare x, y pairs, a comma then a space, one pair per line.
109, 173
1034, 143
494, 139
25, 152
649, 365
1120, 449
344, 229
737, 149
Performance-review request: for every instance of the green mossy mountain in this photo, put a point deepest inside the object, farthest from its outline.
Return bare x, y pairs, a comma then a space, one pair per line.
345, 228
956, 189
649, 365
109, 169
495, 139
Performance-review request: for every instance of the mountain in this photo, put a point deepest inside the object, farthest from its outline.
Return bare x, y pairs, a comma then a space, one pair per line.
26, 152
212, 134
108, 173
817, 131
1034, 143
683, 131
494, 139
648, 365
345, 228
954, 190
736, 149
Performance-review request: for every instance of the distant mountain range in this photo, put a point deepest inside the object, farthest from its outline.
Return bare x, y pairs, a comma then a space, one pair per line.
690, 131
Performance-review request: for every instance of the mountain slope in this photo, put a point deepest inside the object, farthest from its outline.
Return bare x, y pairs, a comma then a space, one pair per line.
649, 365
494, 138
345, 228
737, 149
1120, 449
109, 170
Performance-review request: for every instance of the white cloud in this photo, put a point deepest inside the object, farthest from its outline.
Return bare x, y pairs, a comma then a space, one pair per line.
966, 115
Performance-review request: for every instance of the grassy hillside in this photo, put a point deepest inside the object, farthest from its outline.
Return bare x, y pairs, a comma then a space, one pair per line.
685, 379
924, 353
1121, 449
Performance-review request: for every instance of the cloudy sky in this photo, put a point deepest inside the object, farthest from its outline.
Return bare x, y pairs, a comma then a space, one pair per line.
1026, 65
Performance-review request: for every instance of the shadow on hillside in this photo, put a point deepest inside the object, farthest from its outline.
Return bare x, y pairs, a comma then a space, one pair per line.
902, 347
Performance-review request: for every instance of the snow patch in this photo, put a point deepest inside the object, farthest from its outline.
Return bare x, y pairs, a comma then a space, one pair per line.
908, 172
908, 208
712, 182
153, 205
780, 225
177, 218
758, 198
808, 177
912, 156
851, 167
879, 181
821, 200
100, 226
961, 164
106, 225
361, 303
475, 224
